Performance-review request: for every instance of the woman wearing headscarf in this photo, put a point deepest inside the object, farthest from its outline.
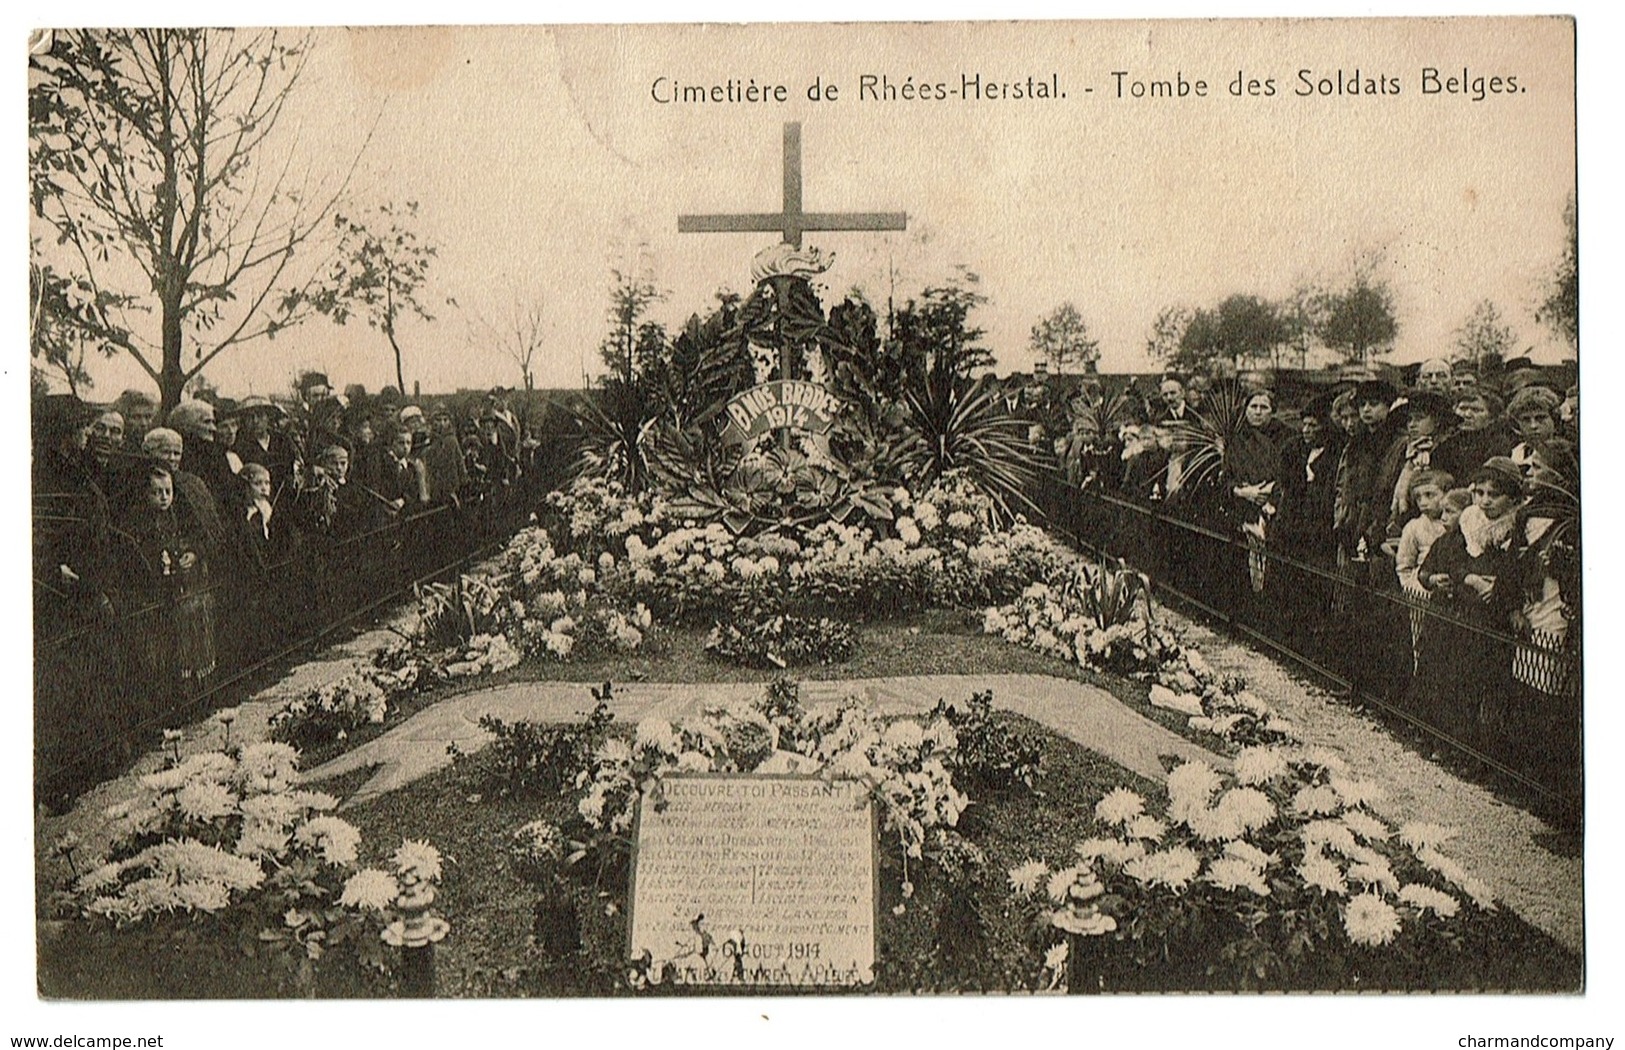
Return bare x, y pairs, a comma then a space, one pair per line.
1252, 472
1464, 664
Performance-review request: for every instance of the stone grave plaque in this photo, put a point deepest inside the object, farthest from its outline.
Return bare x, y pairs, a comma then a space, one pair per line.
756, 881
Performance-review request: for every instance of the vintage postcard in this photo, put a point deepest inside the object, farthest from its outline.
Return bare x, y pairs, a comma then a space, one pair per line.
792, 511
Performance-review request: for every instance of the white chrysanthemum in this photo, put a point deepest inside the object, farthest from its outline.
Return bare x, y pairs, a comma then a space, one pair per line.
1355, 792
1374, 873
1216, 824
614, 752
1116, 851
418, 858
1173, 868
204, 895
1250, 806
694, 762
275, 810
1189, 788
181, 860
1249, 853
905, 734
1426, 898
1480, 892
1420, 835
1146, 827
540, 839
1055, 961
1025, 877
205, 800
1119, 806
1365, 825
99, 878
1322, 873
1325, 758
336, 839
1370, 920
1440, 864
1233, 873
1260, 765
1061, 881
1316, 801
262, 840
1333, 833
657, 733
371, 889
267, 766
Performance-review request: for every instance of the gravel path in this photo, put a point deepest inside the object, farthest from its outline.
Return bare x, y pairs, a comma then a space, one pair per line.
1498, 842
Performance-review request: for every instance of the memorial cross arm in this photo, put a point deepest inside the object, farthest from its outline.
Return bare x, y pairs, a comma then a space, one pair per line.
791, 221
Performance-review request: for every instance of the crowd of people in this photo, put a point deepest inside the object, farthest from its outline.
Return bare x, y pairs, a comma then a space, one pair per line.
149, 527
1424, 535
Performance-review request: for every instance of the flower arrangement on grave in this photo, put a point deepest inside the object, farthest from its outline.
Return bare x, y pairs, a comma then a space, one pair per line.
335, 709
228, 838
1282, 862
757, 640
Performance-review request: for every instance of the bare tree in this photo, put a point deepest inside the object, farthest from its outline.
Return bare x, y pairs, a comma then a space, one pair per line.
518, 335
151, 160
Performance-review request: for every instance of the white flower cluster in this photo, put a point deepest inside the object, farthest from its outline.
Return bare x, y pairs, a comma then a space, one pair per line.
485, 653
333, 710
1288, 817
903, 763
225, 828
1069, 621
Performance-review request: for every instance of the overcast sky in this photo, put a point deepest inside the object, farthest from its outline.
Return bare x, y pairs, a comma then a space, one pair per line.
539, 157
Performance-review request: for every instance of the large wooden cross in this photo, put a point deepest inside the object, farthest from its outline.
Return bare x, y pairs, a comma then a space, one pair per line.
791, 221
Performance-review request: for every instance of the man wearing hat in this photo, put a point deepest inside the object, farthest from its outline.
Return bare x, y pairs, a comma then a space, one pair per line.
1357, 469
317, 419
1427, 420
260, 442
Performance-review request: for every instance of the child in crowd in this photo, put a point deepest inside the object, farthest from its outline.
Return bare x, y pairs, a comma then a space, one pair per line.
1427, 495
261, 541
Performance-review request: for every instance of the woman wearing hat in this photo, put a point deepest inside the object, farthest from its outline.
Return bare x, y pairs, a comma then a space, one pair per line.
1464, 665
1427, 419
260, 442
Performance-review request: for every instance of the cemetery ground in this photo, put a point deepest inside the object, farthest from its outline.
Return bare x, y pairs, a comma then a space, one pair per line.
515, 933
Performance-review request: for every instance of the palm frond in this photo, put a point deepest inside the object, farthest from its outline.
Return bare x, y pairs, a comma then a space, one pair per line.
1198, 442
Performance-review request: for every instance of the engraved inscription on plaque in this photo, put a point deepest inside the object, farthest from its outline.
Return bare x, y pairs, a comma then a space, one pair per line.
756, 880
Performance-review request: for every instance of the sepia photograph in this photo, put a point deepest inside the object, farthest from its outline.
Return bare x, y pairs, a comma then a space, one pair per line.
719, 514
